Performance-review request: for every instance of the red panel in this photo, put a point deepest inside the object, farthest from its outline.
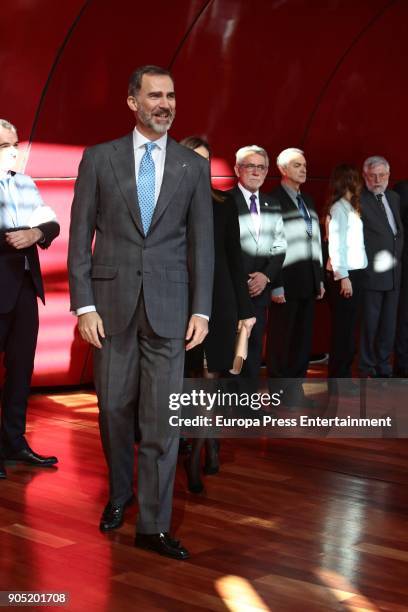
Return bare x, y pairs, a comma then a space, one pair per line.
325, 76
362, 112
62, 358
31, 34
86, 101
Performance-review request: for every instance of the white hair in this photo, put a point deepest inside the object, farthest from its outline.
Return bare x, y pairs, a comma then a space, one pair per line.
7, 125
375, 160
286, 155
244, 151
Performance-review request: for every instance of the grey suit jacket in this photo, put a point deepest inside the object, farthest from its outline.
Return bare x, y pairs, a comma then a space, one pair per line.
265, 253
176, 254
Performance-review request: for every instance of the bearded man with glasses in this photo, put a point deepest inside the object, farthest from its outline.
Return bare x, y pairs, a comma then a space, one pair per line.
383, 238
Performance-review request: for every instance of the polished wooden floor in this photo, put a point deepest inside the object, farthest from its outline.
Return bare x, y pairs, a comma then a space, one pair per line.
287, 525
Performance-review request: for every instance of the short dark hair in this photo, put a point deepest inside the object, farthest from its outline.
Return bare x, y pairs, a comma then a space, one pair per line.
135, 80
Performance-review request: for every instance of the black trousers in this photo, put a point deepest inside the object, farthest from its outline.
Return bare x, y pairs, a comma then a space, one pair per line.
378, 331
18, 340
290, 332
345, 313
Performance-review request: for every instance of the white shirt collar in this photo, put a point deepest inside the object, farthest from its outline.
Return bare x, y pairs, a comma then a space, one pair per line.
247, 194
139, 140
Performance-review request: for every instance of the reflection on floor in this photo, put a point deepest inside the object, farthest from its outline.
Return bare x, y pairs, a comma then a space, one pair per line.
286, 525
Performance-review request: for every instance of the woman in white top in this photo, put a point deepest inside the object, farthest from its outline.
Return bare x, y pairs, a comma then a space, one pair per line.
346, 265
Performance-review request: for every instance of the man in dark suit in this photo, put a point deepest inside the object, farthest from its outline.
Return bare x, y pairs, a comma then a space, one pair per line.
263, 242
400, 369
147, 201
24, 222
293, 303
383, 239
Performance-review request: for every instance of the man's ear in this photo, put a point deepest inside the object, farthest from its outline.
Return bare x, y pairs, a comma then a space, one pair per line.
132, 103
282, 170
236, 170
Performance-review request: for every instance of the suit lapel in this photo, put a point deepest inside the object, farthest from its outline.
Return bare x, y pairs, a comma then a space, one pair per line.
174, 170
123, 163
243, 212
264, 228
394, 209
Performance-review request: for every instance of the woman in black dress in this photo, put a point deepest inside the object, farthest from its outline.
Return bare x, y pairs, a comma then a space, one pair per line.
231, 309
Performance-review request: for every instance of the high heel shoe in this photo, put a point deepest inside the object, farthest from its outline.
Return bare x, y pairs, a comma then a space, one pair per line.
212, 462
192, 466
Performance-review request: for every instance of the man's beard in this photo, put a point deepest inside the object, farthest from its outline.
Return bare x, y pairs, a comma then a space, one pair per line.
149, 121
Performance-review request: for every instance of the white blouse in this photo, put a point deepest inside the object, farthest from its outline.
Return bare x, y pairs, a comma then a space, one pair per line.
346, 240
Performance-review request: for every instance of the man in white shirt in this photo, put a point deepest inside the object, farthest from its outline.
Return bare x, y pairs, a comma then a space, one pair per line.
24, 222
147, 202
263, 242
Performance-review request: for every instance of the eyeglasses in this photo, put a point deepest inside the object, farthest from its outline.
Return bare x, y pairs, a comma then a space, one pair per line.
378, 177
252, 167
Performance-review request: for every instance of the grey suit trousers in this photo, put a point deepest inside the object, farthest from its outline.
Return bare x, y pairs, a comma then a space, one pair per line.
135, 371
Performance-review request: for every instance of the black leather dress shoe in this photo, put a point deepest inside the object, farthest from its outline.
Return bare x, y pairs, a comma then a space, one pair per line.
27, 455
3, 473
113, 515
163, 544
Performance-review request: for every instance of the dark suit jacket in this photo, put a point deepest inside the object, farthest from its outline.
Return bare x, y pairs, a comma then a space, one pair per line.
12, 261
302, 269
268, 252
105, 206
384, 250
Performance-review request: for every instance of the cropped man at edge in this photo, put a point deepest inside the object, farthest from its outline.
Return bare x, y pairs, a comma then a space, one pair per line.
25, 222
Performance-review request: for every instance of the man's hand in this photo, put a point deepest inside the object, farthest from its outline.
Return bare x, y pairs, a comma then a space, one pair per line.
278, 299
320, 295
22, 239
90, 326
257, 283
346, 288
196, 331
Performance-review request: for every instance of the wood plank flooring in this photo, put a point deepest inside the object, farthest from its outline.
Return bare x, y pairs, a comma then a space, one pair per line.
287, 525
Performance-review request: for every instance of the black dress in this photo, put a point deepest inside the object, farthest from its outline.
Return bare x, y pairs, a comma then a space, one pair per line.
231, 301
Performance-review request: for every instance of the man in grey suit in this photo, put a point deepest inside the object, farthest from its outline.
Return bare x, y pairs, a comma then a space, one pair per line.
147, 202
263, 243
383, 239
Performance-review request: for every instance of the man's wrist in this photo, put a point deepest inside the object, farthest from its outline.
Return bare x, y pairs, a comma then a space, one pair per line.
39, 235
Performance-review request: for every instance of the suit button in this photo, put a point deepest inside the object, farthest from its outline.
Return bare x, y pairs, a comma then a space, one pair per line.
139, 273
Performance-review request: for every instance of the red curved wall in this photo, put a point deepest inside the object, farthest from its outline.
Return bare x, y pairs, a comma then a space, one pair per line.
324, 75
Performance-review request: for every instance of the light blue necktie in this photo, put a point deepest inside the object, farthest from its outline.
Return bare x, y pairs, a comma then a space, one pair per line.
146, 184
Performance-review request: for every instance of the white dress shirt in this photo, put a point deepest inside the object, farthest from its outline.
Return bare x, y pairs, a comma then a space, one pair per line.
256, 217
346, 240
